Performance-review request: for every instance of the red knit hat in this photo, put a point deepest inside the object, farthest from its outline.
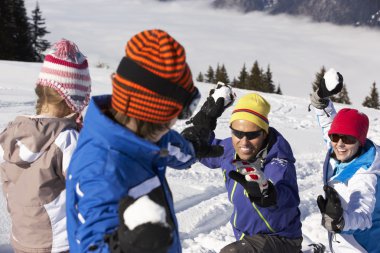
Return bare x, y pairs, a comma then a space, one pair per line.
153, 81
351, 122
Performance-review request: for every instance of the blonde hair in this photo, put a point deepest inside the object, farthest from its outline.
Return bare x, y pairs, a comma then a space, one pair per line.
49, 96
144, 129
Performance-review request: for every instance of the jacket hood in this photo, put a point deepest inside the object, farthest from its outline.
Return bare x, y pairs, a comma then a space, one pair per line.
26, 138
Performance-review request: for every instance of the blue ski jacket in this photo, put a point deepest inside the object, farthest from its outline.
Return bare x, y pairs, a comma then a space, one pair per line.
278, 166
357, 183
109, 163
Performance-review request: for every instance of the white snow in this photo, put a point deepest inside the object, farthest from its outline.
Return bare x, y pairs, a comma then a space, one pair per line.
331, 79
294, 48
144, 210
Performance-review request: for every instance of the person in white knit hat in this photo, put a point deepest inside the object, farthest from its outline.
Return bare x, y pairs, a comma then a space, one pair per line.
35, 151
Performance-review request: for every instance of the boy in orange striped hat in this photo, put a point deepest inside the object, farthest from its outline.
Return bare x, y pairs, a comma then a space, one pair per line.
116, 180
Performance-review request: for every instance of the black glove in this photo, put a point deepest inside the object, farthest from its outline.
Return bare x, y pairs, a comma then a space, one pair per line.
331, 210
264, 199
200, 138
218, 100
208, 114
331, 84
146, 238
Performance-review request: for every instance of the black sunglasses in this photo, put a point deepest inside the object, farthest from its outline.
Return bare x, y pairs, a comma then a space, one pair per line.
347, 139
248, 135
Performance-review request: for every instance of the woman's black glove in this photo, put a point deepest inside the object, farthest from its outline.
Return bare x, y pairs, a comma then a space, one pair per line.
331, 210
331, 84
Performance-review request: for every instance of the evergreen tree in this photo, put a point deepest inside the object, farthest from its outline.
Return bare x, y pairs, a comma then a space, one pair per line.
268, 81
242, 81
6, 25
15, 38
235, 82
200, 77
342, 96
210, 75
221, 75
372, 101
318, 78
255, 79
278, 91
38, 31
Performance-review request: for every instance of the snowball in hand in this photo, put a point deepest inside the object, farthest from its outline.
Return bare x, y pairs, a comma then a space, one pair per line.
225, 92
144, 210
331, 79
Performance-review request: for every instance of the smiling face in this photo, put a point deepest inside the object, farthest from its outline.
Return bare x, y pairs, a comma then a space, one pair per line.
247, 149
344, 152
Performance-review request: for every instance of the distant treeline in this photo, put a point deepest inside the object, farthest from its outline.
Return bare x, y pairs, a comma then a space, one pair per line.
259, 80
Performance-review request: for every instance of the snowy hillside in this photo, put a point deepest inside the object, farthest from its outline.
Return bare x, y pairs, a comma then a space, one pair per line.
200, 199
294, 48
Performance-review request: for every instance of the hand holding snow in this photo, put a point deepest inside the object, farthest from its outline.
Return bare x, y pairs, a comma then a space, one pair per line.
224, 91
144, 210
331, 79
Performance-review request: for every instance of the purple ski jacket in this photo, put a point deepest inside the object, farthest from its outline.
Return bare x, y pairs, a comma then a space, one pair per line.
247, 218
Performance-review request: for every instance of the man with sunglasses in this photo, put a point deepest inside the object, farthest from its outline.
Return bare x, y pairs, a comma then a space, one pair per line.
350, 208
260, 178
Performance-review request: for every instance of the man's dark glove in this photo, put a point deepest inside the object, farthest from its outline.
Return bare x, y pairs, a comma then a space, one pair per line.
200, 138
208, 114
331, 210
218, 100
265, 198
331, 84
145, 238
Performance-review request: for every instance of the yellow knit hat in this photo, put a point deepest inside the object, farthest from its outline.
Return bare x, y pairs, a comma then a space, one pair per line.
254, 108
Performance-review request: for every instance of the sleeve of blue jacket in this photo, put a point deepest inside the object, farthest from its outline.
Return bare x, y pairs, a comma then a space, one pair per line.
181, 152
95, 211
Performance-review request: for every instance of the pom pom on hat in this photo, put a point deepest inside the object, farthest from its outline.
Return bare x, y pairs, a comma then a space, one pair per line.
253, 108
351, 122
65, 69
153, 79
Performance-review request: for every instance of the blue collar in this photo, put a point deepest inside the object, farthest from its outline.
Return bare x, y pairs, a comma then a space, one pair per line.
344, 171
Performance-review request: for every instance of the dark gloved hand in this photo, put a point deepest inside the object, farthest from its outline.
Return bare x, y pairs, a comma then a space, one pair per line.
265, 198
208, 114
219, 99
200, 138
331, 84
331, 210
225, 91
145, 238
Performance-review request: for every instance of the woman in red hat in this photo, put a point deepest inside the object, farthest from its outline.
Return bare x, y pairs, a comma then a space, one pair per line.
351, 173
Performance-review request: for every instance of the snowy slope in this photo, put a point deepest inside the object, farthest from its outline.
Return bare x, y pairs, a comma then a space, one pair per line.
200, 199
294, 48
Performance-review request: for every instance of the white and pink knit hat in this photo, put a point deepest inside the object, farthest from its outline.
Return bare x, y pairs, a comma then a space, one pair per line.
65, 69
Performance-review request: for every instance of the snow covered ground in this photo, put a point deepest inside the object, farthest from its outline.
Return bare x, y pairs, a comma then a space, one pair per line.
295, 49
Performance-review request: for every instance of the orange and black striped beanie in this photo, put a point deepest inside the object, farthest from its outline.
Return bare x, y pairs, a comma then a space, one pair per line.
153, 81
